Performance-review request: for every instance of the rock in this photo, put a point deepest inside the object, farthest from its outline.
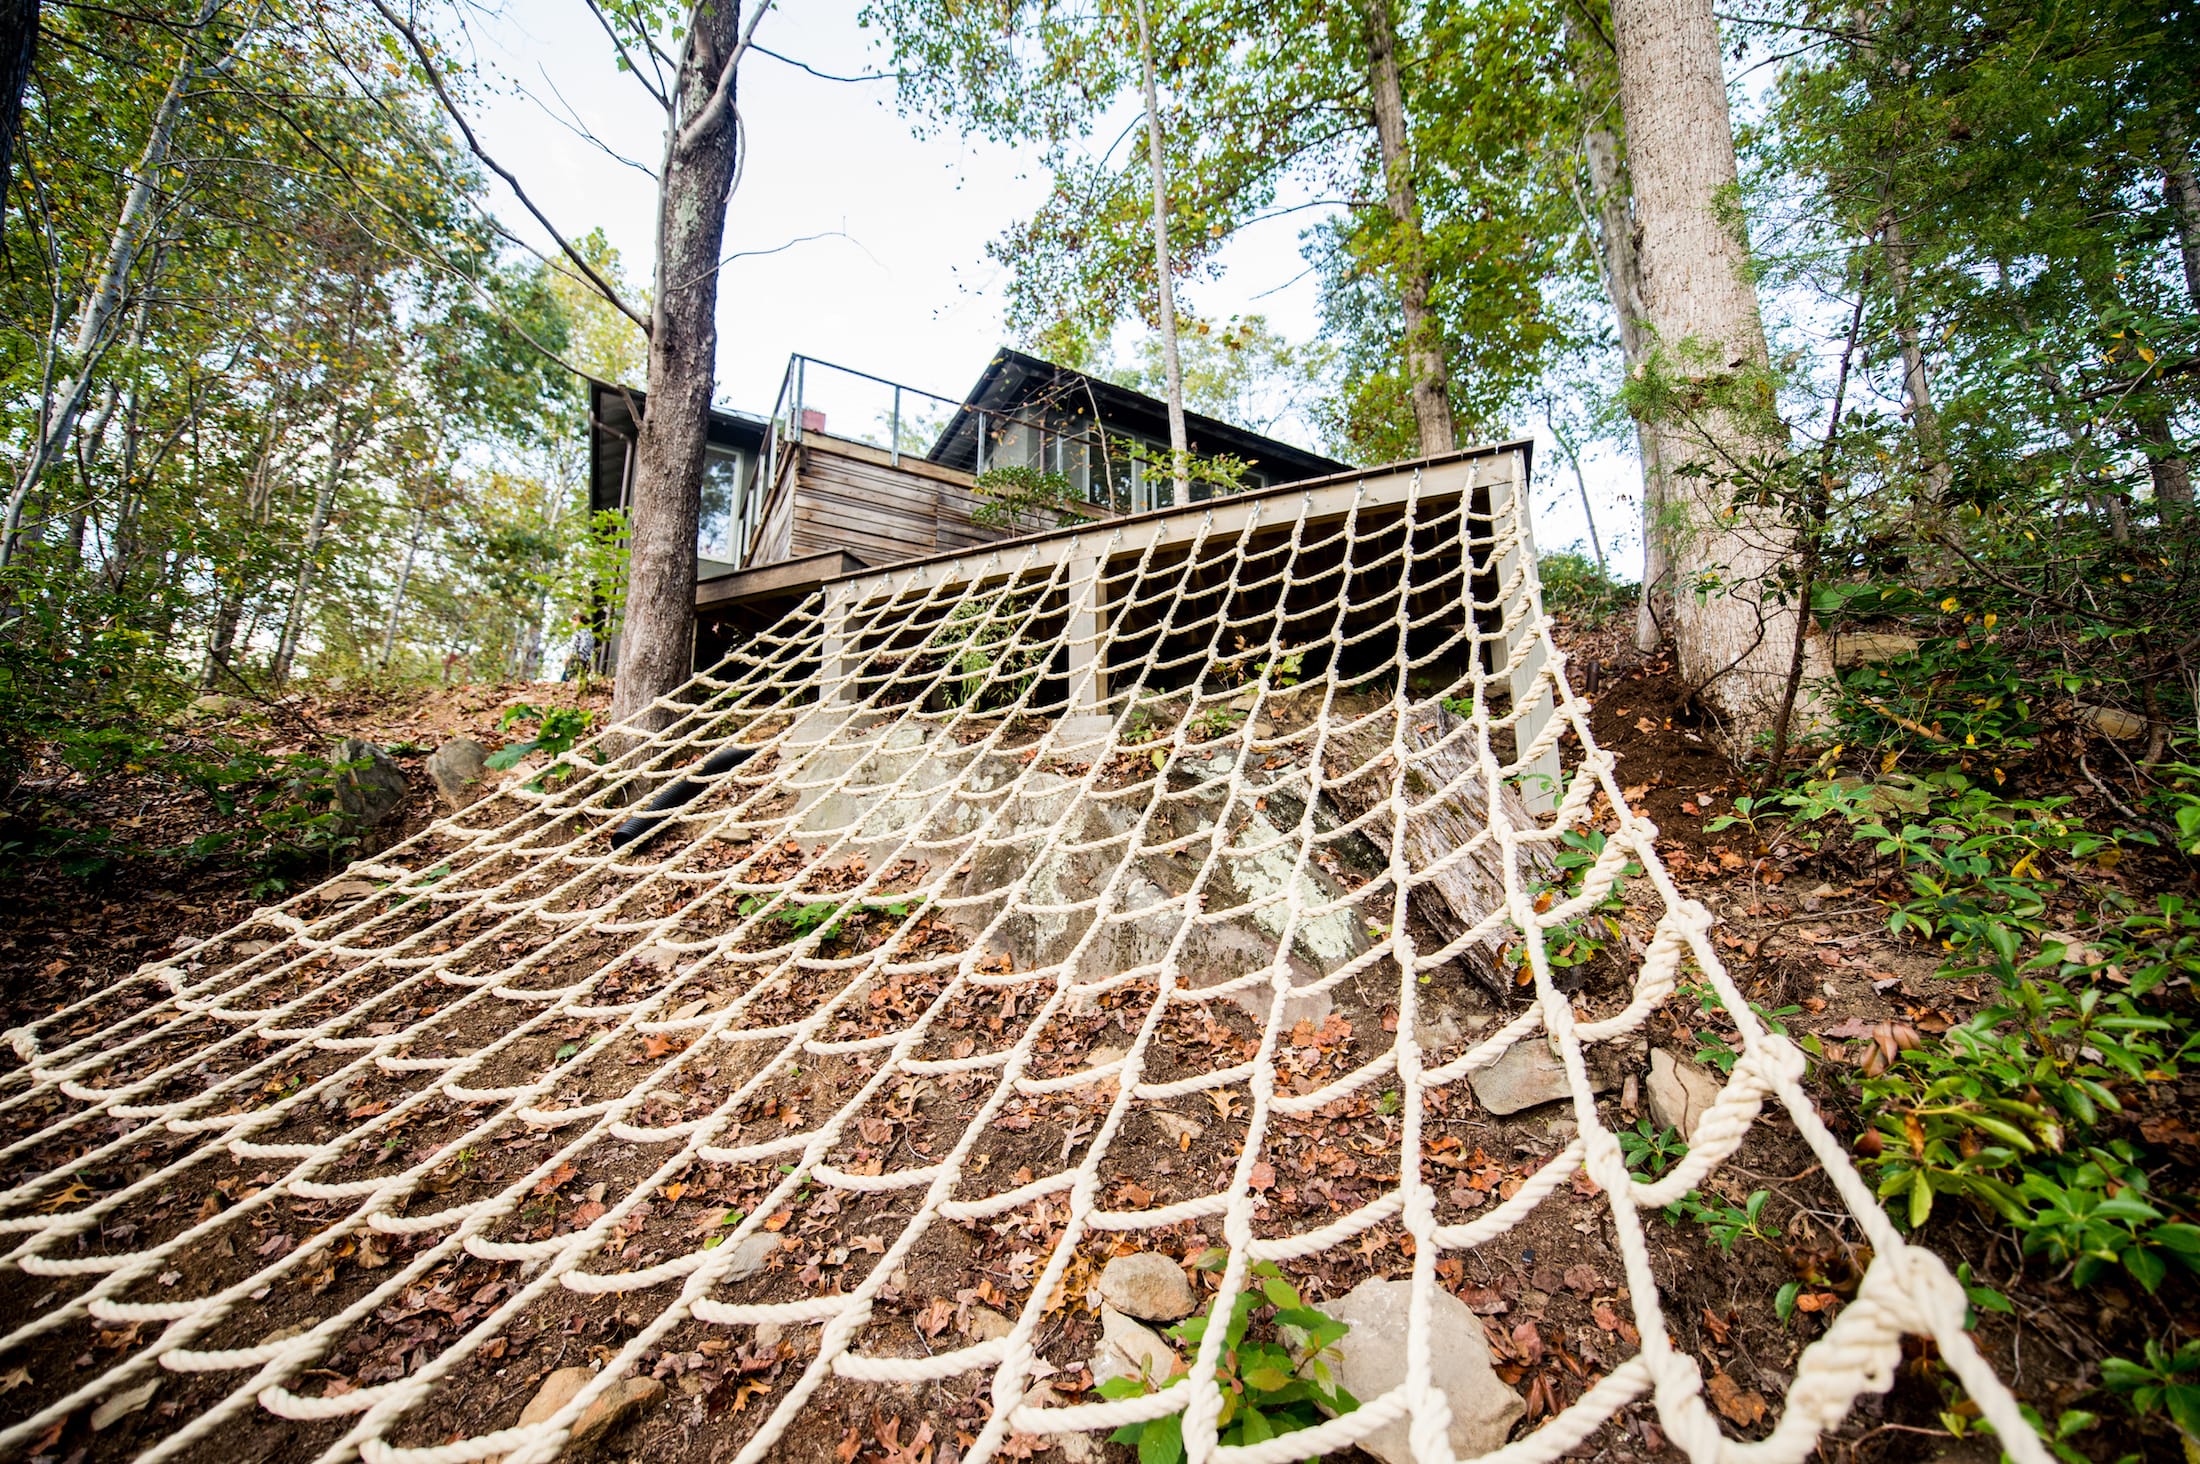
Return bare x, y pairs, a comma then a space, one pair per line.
214, 705
1079, 1448
618, 1403
369, 793
2113, 722
768, 1336
1679, 1092
1437, 1034
1528, 1074
122, 1405
1126, 1349
751, 1254
1372, 1360
456, 768
1148, 1286
1176, 1128
986, 1324
1869, 646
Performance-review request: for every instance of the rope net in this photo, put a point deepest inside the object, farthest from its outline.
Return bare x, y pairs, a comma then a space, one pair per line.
513, 1072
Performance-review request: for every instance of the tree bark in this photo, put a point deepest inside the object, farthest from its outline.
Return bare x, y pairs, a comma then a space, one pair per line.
1172, 365
1735, 639
1430, 380
1924, 419
1619, 263
18, 53
2183, 193
656, 647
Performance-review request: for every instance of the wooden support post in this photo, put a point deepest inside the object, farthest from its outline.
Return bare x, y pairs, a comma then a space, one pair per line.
838, 667
1083, 715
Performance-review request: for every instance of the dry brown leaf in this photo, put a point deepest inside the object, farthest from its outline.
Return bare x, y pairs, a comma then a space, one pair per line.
1741, 1405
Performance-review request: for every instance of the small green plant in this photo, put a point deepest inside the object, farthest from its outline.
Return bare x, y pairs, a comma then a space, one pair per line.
2094, 1215
2163, 1382
556, 730
1728, 1222
1650, 1151
827, 916
1268, 1387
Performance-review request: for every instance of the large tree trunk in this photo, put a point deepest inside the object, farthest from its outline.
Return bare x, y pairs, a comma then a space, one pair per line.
1735, 639
1430, 382
1619, 263
656, 646
95, 323
1172, 365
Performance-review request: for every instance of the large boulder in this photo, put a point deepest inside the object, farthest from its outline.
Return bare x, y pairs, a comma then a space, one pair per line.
456, 768
366, 794
1372, 1361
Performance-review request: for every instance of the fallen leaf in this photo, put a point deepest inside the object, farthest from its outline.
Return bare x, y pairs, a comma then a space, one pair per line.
1741, 1405
14, 1378
1716, 1325
1263, 1175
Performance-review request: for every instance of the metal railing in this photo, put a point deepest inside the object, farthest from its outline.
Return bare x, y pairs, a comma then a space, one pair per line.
906, 421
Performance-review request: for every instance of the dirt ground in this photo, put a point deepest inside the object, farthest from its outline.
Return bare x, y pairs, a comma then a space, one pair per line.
1550, 1292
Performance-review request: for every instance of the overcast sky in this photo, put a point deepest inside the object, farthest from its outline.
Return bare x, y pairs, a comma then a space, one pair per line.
897, 282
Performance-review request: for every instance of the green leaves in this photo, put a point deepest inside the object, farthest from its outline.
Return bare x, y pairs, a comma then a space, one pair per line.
2165, 1382
1270, 1385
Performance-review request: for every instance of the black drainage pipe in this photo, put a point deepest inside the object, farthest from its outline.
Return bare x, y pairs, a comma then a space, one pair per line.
677, 795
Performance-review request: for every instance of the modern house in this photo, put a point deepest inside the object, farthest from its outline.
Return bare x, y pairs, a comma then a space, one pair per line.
851, 471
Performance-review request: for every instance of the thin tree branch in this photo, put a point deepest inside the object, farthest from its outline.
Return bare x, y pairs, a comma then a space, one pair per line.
434, 74
827, 75
654, 88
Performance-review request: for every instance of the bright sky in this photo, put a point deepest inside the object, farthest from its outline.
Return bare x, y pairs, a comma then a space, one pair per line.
899, 285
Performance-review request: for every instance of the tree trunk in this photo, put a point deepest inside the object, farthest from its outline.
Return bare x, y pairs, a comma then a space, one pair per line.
95, 322
1172, 365
229, 607
1430, 382
1619, 262
404, 580
18, 53
1735, 639
2183, 193
2167, 465
1924, 419
286, 649
656, 647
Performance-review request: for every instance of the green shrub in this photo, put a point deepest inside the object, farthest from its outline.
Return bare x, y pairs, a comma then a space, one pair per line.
1269, 1387
1582, 590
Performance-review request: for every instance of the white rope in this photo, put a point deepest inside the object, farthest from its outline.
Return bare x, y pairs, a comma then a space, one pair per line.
624, 1014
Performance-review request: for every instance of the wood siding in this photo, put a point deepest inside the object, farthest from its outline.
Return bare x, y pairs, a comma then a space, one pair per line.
844, 495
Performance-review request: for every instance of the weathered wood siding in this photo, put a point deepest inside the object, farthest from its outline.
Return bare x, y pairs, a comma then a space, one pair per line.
845, 495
